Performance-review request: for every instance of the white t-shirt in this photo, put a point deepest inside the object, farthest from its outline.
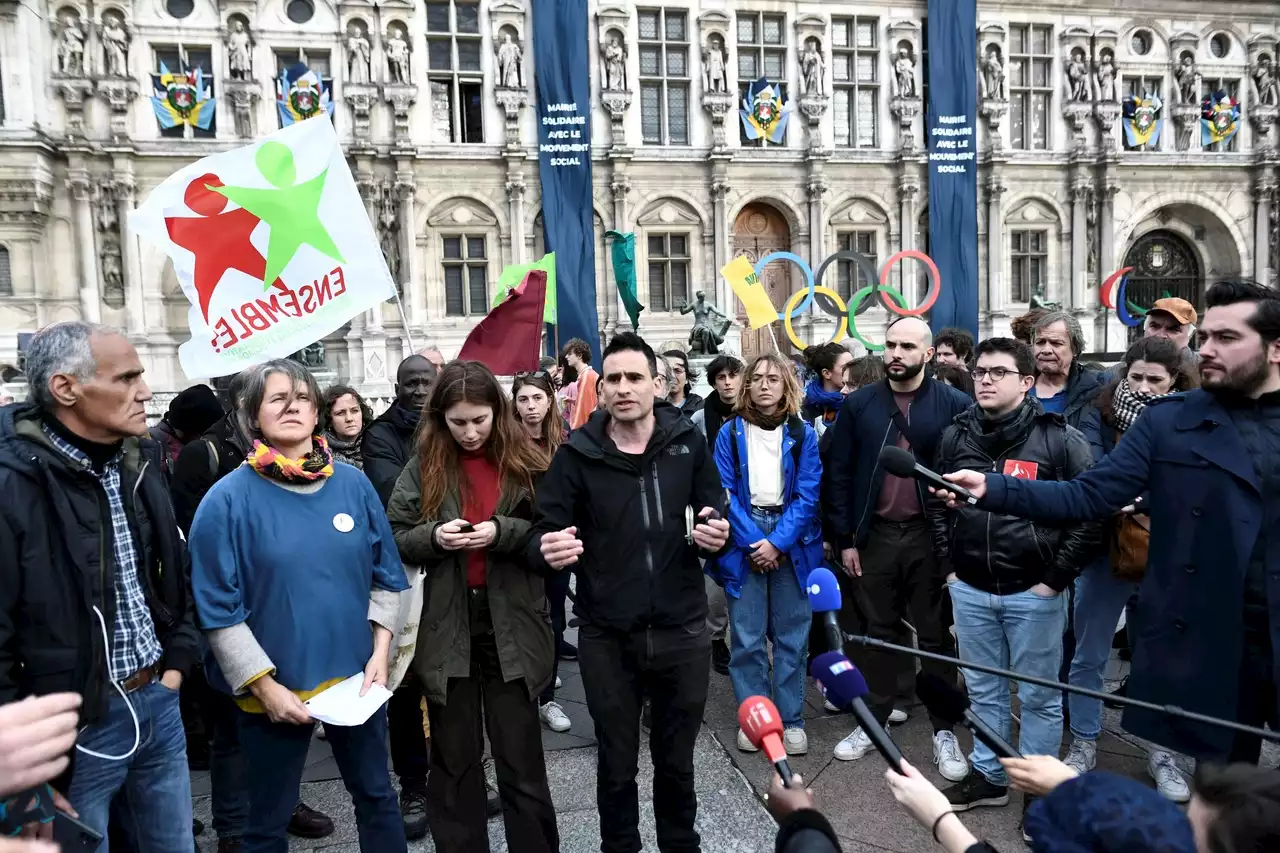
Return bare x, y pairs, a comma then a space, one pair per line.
764, 465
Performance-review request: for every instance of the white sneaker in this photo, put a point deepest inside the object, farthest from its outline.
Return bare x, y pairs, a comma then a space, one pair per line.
1169, 780
897, 717
829, 708
1083, 755
856, 745
795, 741
559, 683
555, 717
948, 757
745, 744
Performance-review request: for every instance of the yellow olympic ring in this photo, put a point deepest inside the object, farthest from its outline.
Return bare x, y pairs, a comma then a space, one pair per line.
787, 313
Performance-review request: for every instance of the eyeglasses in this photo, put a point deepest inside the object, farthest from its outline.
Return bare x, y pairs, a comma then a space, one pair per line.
996, 373
769, 380
532, 374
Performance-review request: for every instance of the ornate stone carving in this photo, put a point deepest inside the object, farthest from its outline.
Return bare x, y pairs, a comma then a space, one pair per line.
1091, 230
74, 91
617, 103
812, 69
515, 185
817, 186
239, 44
115, 44
718, 106
1186, 121
360, 98
1105, 77
903, 83
388, 201
1264, 82
715, 63
107, 224
992, 70
620, 186
357, 52
1187, 75
994, 112
27, 203
905, 111
1107, 115
401, 98
119, 94
243, 96
398, 56
1077, 84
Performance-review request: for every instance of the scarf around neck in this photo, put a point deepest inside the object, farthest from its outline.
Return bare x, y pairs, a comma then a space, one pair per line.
816, 395
755, 417
271, 463
1128, 404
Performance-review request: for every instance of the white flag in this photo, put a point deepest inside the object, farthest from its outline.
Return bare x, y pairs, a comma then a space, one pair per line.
272, 245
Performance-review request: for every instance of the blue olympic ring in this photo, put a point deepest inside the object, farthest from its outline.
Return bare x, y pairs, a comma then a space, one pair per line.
798, 261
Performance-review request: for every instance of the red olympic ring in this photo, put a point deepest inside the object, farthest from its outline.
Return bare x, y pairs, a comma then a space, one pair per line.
1105, 292
935, 283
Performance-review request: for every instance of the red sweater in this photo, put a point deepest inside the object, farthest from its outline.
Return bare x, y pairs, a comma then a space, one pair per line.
481, 501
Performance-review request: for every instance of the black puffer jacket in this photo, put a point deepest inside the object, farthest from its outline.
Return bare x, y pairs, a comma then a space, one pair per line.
387, 446
637, 569
55, 565
1001, 554
204, 462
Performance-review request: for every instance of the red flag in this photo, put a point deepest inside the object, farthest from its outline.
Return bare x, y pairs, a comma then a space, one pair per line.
509, 338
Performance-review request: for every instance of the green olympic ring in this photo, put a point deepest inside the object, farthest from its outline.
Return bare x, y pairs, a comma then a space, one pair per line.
857, 299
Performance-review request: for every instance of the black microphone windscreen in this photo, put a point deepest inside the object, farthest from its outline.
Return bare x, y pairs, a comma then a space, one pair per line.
943, 700
897, 461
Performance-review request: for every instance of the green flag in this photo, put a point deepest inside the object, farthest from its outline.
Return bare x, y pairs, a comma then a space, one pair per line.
512, 276
624, 273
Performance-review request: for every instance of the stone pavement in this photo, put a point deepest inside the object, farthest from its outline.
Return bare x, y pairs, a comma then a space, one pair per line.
731, 817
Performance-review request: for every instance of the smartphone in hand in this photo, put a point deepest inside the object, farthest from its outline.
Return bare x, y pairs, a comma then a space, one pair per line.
73, 836
467, 527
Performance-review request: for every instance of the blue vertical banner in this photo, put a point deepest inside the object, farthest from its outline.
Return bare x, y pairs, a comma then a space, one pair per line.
562, 76
951, 126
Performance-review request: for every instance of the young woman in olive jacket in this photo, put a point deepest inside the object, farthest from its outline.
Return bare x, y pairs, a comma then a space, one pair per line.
462, 510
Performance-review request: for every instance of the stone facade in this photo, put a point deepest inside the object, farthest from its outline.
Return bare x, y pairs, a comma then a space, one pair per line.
434, 101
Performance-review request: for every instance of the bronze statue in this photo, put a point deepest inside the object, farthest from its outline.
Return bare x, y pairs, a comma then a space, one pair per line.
705, 338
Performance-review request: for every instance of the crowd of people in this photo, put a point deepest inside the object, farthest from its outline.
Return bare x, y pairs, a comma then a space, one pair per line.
194, 584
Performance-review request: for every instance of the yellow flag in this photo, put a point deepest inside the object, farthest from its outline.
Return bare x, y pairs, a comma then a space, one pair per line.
746, 284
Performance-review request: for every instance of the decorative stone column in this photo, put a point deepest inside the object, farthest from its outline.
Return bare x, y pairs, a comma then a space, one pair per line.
720, 229
414, 285
81, 187
122, 190
995, 246
1076, 294
1263, 191
516, 188
908, 189
620, 187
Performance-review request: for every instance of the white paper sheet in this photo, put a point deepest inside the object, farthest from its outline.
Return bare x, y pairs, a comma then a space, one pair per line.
342, 704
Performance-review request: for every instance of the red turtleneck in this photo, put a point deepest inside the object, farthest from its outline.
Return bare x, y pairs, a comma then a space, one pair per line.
481, 501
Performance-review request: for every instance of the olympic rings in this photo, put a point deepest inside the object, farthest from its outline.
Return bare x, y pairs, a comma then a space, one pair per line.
798, 261
801, 300
788, 314
861, 297
1128, 313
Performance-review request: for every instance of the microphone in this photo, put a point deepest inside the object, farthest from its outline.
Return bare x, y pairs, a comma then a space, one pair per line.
759, 719
946, 702
1171, 710
842, 684
901, 463
825, 598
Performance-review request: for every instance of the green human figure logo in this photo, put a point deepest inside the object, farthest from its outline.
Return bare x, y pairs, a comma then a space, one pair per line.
291, 209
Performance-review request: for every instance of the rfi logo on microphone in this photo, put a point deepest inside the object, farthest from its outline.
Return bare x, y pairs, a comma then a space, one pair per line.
840, 666
760, 715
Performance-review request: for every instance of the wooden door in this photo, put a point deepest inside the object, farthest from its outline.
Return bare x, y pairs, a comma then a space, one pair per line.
758, 231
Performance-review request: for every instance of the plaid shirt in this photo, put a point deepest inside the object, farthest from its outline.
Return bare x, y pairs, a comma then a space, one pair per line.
133, 643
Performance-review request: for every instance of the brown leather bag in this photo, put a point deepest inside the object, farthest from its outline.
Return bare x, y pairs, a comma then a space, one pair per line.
1130, 540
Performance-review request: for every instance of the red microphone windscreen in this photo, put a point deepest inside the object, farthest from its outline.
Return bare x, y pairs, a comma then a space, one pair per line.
758, 718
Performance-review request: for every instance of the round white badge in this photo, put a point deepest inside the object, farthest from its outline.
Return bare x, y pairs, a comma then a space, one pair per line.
343, 523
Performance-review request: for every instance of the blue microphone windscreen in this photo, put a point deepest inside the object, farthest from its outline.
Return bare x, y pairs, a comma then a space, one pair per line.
840, 680
824, 591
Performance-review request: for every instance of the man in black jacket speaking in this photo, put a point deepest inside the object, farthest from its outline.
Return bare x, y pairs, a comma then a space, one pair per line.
619, 506
94, 578
1006, 575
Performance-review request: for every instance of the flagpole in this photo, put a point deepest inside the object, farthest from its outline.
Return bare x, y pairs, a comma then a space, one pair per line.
776, 348
404, 318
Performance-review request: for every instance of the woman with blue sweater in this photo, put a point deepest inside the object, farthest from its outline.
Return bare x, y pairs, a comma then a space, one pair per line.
297, 584
769, 464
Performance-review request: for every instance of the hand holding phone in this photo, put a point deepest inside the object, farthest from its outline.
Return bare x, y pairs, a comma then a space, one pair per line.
73, 836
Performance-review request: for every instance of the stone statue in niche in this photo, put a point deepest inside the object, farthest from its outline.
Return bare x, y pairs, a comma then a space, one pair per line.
115, 45
904, 73
239, 51
1091, 232
389, 234
510, 63
811, 68
357, 55
1075, 73
112, 276
1266, 84
397, 56
1105, 78
614, 53
993, 75
1188, 77
714, 76
71, 47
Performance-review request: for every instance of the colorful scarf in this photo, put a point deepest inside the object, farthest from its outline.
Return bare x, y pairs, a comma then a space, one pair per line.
1128, 404
271, 463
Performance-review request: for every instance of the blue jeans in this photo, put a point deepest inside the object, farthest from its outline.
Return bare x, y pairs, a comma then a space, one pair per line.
1022, 632
155, 782
227, 769
770, 606
275, 756
1100, 599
